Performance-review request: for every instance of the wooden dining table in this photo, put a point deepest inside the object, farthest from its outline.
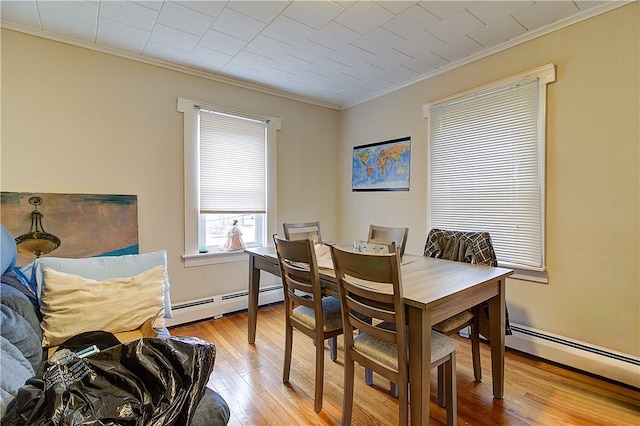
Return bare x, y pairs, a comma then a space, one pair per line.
433, 290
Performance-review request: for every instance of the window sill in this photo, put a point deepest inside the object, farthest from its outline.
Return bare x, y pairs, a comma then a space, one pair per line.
213, 258
540, 277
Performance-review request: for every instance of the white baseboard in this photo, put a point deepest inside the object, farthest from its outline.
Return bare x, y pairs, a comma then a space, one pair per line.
216, 306
623, 368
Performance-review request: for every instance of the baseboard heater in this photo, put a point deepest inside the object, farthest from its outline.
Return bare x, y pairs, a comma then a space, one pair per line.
583, 356
216, 306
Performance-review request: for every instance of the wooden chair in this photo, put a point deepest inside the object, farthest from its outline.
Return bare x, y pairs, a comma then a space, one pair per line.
370, 287
306, 230
470, 247
306, 309
386, 235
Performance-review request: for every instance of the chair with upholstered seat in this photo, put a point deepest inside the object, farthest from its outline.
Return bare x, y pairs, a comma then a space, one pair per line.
388, 235
305, 307
470, 247
303, 230
370, 287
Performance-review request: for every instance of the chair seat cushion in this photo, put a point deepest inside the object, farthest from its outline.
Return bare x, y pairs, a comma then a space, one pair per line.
387, 353
455, 323
330, 311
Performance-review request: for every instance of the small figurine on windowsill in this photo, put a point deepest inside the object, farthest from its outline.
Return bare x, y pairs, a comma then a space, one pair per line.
234, 238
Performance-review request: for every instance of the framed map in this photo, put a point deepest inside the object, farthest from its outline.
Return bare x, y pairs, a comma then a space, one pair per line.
382, 166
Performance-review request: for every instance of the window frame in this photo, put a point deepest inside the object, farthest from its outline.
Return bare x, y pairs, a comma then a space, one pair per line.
545, 75
192, 256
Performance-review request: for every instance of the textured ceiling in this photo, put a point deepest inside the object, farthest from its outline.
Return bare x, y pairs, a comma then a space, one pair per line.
333, 53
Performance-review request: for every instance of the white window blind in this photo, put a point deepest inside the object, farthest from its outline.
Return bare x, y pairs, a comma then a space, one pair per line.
487, 169
232, 164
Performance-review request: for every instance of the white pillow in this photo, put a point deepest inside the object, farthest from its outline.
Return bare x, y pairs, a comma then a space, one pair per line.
72, 304
103, 268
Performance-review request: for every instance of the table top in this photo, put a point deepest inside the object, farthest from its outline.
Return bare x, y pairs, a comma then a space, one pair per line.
427, 281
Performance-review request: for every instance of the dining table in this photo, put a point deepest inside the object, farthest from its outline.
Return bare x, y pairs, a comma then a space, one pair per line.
433, 290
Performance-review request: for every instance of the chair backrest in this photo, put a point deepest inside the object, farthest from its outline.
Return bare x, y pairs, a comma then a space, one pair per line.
303, 231
370, 286
462, 246
300, 277
387, 235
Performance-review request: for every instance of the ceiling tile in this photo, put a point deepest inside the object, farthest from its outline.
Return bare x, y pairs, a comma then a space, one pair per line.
117, 34
164, 52
492, 11
128, 13
223, 43
396, 6
419, 43
414, 19
173, 38
263, 11
237, 25
80, 11
498, 32
211, 8
287, 30
458, 49
364, 16
20, 12
206, 59
446, 9
182, 18
251, 61
456, 26
378, 41
314, 14
545, 13
61, 25
334, 36
268, 46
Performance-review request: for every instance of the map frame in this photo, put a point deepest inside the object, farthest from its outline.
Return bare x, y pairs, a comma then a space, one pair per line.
386, 183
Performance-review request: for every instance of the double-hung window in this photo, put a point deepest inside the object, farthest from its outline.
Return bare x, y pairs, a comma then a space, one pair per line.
229, 176
486, 165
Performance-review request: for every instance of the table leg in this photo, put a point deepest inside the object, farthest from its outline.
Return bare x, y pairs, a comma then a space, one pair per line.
497, 316
419, 364
254, 289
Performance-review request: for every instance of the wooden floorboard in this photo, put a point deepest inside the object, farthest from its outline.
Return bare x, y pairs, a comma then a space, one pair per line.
249, 377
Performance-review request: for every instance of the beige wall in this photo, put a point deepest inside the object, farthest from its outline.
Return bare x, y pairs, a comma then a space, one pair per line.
79, 121
593, 236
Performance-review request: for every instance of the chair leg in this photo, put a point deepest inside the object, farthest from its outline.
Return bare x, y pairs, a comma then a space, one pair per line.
451, 392
393, 388
475, 348
288, 346
442, 385
368, 376
347, 397
333, 348
317, 403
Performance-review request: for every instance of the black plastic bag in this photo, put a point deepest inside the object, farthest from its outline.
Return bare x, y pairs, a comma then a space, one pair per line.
150, 382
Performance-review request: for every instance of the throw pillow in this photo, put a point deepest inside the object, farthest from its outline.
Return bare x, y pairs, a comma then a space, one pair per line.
72, 304
103, 268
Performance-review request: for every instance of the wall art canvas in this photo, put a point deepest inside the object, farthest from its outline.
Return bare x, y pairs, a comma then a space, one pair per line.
382, 166
86, 225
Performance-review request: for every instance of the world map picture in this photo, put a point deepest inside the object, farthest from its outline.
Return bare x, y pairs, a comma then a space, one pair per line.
382, 166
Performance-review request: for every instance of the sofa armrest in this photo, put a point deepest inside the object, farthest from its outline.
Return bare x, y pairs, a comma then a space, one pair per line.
212, 410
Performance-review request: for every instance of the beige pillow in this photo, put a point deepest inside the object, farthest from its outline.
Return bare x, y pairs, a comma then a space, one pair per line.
72, 304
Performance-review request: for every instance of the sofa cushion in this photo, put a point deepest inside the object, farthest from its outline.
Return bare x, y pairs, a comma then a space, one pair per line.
104, 268
20, 303
72, 304
19, 332
16, 370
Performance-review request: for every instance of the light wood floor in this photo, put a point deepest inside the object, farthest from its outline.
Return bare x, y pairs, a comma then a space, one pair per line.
249, 377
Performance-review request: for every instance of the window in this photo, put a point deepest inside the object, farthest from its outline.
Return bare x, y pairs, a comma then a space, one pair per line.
229, 170
486, 165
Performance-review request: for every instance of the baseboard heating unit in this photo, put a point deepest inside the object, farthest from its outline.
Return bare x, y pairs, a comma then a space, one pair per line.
623, 368
216, 306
